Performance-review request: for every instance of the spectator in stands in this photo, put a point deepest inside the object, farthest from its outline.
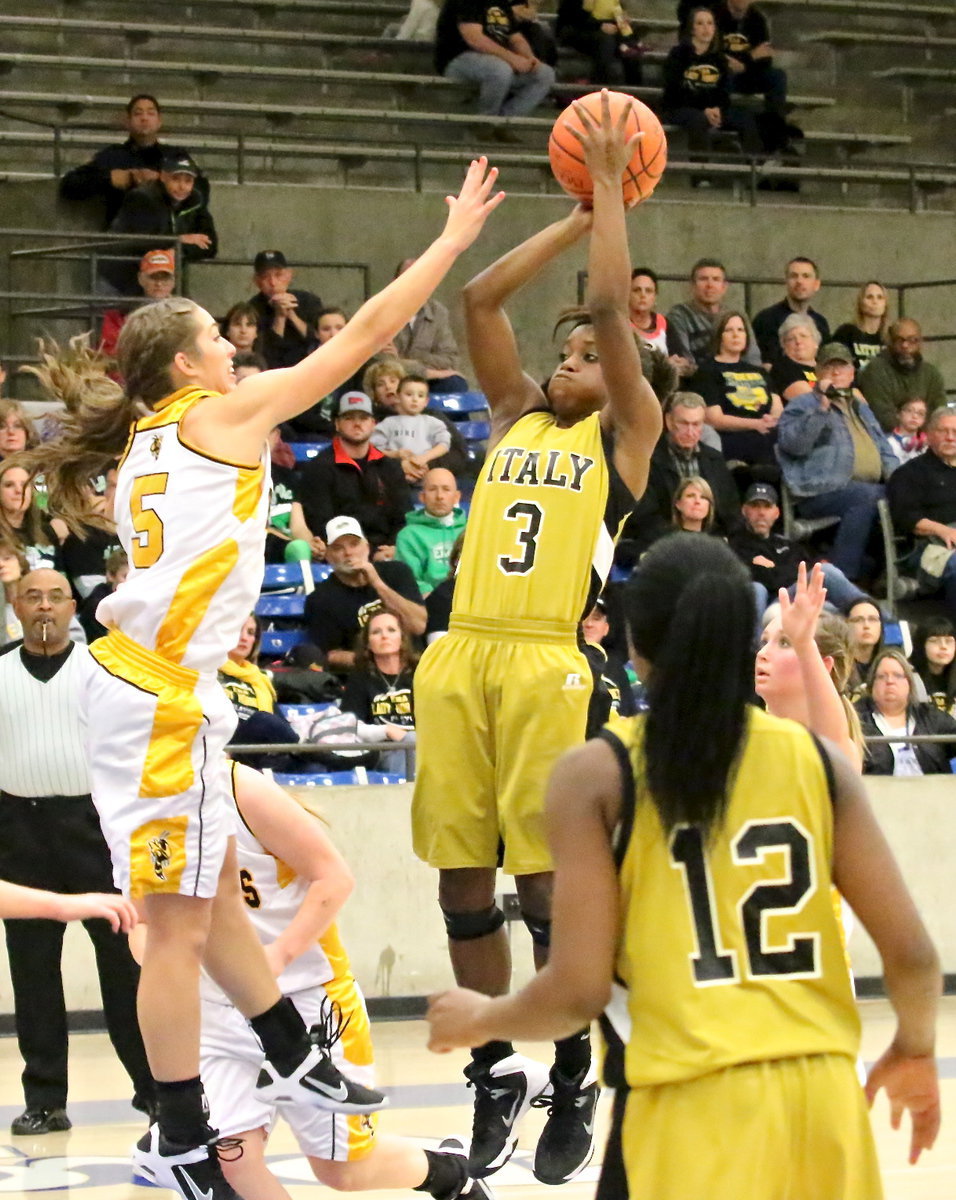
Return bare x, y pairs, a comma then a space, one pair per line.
899, 372
651, 325
171, 205
773, 560
115, 170
865, 335
84, 554
679, 454
691, 324
477, 42
600, 30
922, 496
795, 369
428, 340
438, 601
692, 509
318, 422
358, 588
285, 481
156, 280
891, 709
117, 568
240, 326
697, 89
246, 363
286, 316
17, 431
13, 567
425, 541
745, 40
834, 457
23, 522
411, 436
934, 660
380, 380
537, 33
802, 283
379, 686
612, 692
351, 478
908, 439
741, 405
866, 637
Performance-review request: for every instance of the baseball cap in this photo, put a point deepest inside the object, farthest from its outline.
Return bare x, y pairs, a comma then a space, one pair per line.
342, 527
834, 352
353, 402
761, 493
179, 164
266, 260
158, 260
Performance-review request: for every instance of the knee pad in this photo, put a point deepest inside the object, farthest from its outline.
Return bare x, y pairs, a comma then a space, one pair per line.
539, 928
468, 926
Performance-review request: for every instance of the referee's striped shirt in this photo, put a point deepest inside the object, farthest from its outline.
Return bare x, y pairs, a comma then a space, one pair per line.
42, 741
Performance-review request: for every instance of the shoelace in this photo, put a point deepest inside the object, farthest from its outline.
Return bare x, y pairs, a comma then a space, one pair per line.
229, 1149
331, 1026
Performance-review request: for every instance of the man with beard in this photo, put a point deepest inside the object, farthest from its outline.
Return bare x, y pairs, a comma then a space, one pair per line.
900, 373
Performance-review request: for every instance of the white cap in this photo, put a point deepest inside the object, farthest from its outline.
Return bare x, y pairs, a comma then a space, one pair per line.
341, 527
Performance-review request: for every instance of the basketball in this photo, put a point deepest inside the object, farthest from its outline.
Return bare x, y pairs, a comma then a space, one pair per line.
641, 175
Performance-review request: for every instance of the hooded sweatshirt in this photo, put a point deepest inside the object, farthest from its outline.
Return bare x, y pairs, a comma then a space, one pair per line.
424, 544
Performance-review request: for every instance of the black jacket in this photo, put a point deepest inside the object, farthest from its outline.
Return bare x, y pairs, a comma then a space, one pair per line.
923, 488
150, 210
693, 80
933, 757
372, 490
785, 555
91, 181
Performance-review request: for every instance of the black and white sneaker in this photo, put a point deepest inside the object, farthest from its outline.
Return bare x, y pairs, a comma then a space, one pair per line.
566, 1145
192, 1171
317, 1081
503, 1094
474, 1189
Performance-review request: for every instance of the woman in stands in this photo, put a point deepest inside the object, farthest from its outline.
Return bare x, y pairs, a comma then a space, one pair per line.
645, 320
22, 521
240, 325
674, 834
865, 336
891, 708
191, 505
379, 687
17, 431
934, 661
795, 371
866, 638
693, 506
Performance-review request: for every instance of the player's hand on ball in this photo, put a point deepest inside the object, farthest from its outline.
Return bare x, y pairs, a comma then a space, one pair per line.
454, 1019
910, 1082
607, 146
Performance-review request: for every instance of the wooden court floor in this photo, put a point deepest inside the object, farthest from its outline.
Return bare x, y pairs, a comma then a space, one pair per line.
429, 1102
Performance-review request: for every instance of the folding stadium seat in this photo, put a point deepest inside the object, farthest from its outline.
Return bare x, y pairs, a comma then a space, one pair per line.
285, 604
305, 451
322, 779
279, 642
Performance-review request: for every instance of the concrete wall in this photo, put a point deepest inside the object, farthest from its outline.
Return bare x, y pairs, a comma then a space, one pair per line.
380, 227
394, 932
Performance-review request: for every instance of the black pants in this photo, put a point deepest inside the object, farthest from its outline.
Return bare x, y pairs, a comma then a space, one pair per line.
56, 843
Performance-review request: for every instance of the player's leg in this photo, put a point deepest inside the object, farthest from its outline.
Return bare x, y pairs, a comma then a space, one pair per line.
397, 1163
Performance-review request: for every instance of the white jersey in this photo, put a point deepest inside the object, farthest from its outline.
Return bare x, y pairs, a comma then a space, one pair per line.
193, 526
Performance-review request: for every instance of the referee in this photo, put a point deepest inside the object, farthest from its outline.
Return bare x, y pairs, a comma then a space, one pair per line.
50, 838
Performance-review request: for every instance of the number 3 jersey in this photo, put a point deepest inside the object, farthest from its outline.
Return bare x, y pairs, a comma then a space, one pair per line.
193, 526
729, 950
547, 510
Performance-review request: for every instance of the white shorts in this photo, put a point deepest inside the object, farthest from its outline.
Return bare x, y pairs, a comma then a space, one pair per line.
229, 1062
155, 738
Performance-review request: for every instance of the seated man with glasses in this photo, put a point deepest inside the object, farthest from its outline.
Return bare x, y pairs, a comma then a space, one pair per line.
900, 373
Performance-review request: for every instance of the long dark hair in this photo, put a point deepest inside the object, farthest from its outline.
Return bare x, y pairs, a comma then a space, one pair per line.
99, 411
33, 531
934, 627
365, 660
690, 613
718, 335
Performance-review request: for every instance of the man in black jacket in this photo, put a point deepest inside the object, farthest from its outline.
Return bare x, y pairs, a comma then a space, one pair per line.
352, 479
171, 205
287, 317
114, 170
678, 455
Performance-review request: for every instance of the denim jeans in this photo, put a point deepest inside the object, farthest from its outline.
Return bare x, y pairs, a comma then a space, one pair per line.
503, 92
855, 505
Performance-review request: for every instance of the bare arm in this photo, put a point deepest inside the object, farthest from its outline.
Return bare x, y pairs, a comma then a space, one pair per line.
867, 874
239, 422
299, 840
32, 903
491, 340
576, 983
476, 39
632, 412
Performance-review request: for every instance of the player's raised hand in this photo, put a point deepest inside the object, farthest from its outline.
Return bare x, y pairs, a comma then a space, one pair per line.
454, 1019
910, 1082
607, 146
799, 616
469, 210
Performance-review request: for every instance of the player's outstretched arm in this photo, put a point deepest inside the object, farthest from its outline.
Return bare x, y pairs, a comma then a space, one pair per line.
576, 983
491, 340
867, 874
633, 412
263, 401
16, 901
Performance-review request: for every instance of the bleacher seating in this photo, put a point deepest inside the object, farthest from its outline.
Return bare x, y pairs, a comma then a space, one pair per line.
283, 604
286, 575
305, 451
278, 642
459, 405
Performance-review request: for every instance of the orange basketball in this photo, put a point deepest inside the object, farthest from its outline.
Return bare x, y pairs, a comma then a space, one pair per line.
643, 172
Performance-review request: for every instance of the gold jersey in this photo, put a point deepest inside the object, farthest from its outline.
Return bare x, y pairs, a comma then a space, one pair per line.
547, 509
730, 951
193, 526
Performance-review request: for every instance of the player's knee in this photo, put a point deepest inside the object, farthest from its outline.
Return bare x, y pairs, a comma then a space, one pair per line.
469, 926
539, 928
340, 1176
